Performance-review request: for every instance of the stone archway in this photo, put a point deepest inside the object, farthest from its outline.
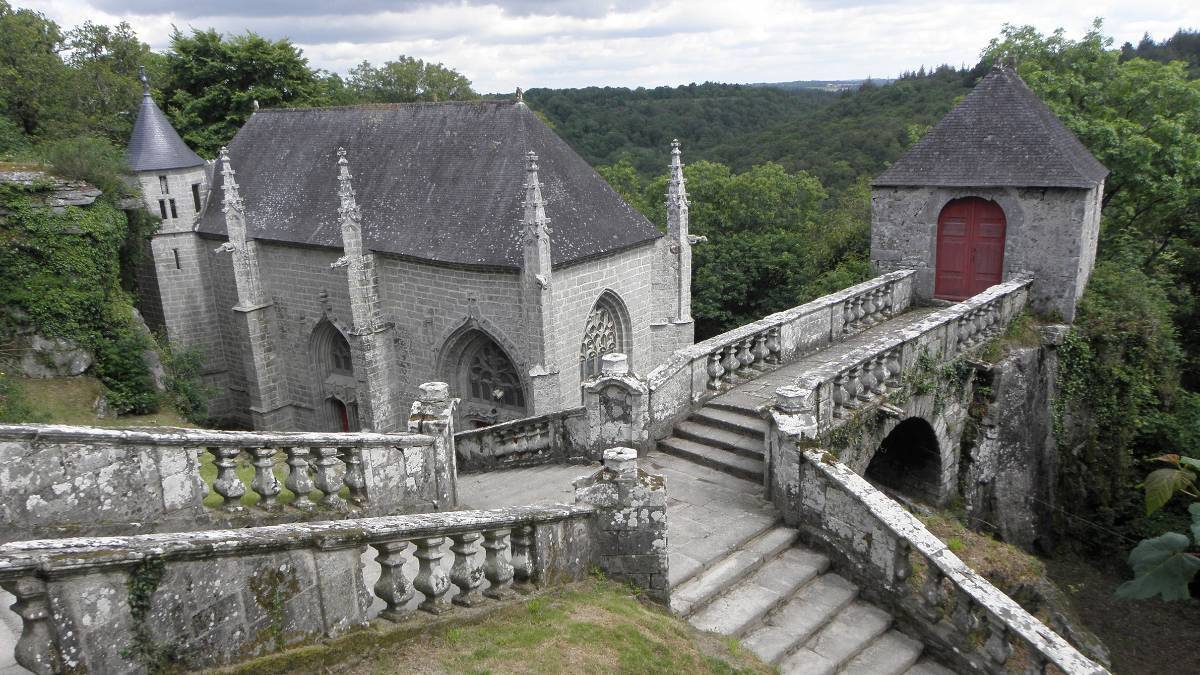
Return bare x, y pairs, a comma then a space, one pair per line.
909, 462
483, 374
335, 393
607, 331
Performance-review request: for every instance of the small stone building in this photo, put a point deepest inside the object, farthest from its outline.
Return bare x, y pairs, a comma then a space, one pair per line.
999, 187
342, 256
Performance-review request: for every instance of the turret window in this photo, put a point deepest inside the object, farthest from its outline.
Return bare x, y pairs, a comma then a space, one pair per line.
162, 208
174, 213
162, 185
196, 196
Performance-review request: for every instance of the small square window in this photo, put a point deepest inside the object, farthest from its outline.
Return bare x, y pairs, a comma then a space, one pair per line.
174, 213
162, 185
162, 208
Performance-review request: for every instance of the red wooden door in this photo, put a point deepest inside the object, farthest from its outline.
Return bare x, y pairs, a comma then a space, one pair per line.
970, 248
343, 415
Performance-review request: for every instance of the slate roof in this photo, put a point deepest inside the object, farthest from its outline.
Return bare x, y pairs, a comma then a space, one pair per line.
1000, 135
436, 181
155, 145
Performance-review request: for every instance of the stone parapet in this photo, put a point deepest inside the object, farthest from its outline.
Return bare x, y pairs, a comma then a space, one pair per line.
629, 523
616, 402
204, 599
530, 441
694, 374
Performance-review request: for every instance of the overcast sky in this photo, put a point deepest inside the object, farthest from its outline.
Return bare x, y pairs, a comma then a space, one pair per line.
501, 44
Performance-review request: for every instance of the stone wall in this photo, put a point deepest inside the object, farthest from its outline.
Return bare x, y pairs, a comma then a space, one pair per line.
1051, 233
544, 439
64, 481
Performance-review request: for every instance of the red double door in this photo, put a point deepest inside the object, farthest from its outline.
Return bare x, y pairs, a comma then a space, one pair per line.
970, 248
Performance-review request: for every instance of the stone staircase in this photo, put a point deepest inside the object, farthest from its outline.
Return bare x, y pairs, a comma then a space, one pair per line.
780, 599
721, 436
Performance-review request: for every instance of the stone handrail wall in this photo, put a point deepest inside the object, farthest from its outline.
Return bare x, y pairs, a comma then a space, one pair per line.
199, 599
64, 480
694, 374
895, 557
556, 437
832, 392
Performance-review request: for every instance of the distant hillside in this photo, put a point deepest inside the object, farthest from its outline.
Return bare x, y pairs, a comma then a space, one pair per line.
821, 85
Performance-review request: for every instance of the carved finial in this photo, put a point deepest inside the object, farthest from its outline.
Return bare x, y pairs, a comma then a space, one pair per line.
145, 80
535, 207
233, 200
520, 95
348, 208
676, 186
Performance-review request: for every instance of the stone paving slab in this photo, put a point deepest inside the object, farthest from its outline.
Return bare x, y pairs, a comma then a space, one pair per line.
753, 395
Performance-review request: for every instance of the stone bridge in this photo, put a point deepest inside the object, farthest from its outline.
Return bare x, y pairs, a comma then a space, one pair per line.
755, 447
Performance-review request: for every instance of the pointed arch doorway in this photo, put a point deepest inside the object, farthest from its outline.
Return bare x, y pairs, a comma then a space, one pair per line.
970, 248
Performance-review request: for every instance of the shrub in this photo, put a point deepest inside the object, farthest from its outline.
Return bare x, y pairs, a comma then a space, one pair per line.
186, 388
92, 159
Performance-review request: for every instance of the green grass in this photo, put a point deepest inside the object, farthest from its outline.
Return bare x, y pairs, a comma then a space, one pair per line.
245, 472
595, 626
68, 400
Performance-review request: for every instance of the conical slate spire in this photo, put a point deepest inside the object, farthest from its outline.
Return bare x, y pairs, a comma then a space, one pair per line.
154, 144
536, 222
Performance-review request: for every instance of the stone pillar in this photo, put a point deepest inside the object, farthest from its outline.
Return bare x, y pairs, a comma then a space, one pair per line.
537, 298
375, 356
630, 522
793, 421
264, 380
617, 407
675, 328
433, 414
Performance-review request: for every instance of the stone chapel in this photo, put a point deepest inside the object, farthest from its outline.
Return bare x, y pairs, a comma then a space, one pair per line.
332, 259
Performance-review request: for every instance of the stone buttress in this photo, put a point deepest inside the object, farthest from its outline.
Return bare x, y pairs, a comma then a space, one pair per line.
374, 352
537, 299
264, 377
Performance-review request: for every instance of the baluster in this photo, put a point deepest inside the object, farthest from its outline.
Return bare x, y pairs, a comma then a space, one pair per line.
851, 385
326, 478
932, 593
893, 369
432, 580
839, 395
715, 370
521, 439
466, 573
997, 646
761, 351
35, 648
866, 381
887, 291
265, 484
847, 315
879, 374
902, 563
773, 347
227, 484
869, 308
392, 587
522, 558
731, 363
964, 617
1038, 663
744, 355
993, 320
297, 479
497, 569
354, 478
961, 338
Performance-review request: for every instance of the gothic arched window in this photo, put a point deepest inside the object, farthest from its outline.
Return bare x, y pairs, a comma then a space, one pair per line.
605, 332
491, 376
339, 353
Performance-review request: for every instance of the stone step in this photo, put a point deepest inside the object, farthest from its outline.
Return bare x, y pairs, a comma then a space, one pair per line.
732, 420
892, 654
692, 596
716, 458
749, 600
851, 631
813, 606
746, 446
928, 667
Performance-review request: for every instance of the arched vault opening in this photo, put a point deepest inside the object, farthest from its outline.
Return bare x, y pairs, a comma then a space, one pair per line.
909, 462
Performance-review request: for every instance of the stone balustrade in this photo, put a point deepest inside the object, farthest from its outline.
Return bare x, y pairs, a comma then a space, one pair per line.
963, 619
208, 598
694, 374
556, 437
834, 391
65, 480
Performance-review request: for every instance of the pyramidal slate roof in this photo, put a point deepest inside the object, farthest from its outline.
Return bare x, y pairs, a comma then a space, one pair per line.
1000, 135
436, 181
155, 145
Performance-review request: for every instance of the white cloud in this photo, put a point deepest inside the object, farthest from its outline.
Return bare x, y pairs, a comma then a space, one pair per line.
500, 44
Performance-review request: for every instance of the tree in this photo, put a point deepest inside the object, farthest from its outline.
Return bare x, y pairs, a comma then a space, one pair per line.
104, 65
213, 82
408, 79
1166, 564
32, 76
